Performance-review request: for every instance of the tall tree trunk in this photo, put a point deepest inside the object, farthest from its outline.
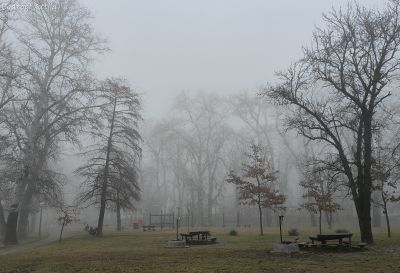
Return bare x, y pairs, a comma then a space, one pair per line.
389, 234
105, 179
24, 210
363, 208
364, 199
18, 205
118, 207
261, 223
102, 210
61, 232
11, 226
2, 223
23, 221
385, 211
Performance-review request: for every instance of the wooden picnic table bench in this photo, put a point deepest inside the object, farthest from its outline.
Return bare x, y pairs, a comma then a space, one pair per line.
198, 237
325, 238
201, 235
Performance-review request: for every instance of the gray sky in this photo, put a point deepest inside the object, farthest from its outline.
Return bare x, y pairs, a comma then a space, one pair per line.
165, 46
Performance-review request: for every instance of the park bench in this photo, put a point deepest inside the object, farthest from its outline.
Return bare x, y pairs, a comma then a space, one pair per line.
149, 228
324, 239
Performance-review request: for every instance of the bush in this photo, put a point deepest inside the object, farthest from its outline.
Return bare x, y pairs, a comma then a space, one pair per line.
293, 232
342, 230
233, 232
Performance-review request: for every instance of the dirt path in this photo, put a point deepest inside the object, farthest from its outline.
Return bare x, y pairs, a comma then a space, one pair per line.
53, 237
29, 245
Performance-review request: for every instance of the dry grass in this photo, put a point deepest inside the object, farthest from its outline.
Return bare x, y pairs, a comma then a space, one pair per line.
146, 252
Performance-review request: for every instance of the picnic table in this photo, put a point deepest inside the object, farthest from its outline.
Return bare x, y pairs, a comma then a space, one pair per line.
198, 237
325, 238
201, 235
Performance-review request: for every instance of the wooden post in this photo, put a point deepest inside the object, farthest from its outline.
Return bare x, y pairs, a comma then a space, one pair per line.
223, 219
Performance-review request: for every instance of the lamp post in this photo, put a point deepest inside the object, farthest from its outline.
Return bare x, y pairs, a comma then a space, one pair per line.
41, 205
280, 226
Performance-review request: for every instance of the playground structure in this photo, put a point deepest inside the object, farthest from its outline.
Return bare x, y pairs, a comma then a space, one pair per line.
162, 220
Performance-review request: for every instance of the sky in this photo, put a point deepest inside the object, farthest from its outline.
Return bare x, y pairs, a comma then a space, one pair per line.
164, 47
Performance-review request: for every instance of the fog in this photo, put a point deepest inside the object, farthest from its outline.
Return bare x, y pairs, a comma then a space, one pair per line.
165, 47
181, 108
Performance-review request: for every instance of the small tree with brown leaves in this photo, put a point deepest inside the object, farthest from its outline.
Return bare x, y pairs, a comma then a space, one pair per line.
66, 215
256, 184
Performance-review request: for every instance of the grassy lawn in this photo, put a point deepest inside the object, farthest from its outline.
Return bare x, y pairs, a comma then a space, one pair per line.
138, 251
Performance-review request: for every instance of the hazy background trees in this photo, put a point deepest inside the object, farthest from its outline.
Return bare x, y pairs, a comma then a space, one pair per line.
189, 153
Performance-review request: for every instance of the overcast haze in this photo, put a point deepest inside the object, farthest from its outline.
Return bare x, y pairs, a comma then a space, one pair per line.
203, 121
164, 47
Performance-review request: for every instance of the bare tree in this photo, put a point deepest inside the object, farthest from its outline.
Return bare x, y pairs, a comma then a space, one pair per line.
52, 90
7, 76
113, 159
335, 91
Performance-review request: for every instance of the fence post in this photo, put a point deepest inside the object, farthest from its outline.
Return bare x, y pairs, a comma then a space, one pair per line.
161, 220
